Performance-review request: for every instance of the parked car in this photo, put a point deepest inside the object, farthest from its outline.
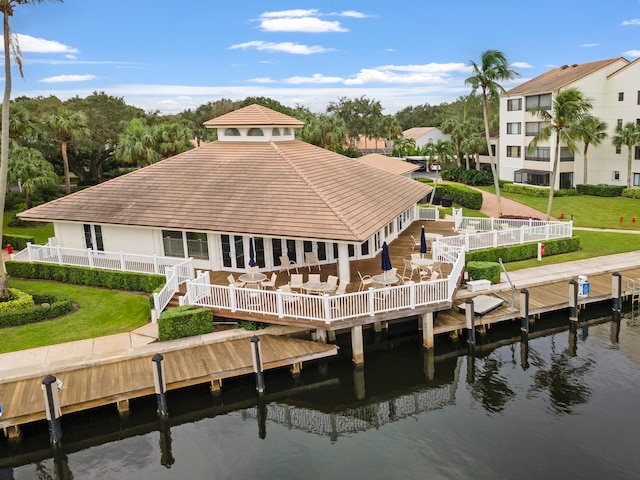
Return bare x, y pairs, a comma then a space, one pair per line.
435, 166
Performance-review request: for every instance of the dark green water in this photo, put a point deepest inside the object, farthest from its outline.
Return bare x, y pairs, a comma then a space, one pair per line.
564, 404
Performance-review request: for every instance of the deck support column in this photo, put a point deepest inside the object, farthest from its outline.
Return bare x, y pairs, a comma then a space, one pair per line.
50, 387
215, 387
321, 336
616, 291
470, 317
296, 368
573, 300
344, 271
13, 432
123, 406
524, 310
357, 345
426, 321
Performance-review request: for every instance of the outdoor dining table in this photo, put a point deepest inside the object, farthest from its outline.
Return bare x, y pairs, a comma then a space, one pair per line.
316, 287
385, 280
253, 279
422, 262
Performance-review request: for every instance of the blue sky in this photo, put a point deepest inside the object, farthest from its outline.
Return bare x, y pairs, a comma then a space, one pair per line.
170, 56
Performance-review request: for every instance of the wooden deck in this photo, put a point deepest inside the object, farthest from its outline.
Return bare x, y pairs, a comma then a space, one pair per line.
128, 378
550, 297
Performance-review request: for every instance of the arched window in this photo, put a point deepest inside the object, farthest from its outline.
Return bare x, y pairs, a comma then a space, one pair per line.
275, 132
287, 131
232, 132
255, 132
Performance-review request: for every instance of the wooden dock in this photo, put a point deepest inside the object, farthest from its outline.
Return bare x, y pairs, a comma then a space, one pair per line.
550, 297
121, 380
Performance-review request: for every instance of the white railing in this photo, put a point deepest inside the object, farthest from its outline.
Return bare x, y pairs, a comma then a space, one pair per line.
164, 296
127, 262
428, 213
330, 308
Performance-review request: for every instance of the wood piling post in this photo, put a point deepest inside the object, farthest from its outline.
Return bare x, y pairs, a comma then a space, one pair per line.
616, 291
357, 345
573, 300
524, 310
50, 388
160, 384
470, 318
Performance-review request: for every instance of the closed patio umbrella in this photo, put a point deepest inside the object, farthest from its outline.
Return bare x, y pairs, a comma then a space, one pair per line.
423, 242
252, 253
386, 261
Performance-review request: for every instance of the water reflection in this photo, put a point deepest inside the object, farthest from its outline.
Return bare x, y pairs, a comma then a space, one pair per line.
401, 385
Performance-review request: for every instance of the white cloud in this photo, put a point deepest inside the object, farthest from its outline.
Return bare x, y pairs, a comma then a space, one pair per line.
633, 21
286, 47
521, 65
353, 14
262, 80
290, 13
68, 78
589, 45
632, 53
300, 24
428, 68
316, 78
370, 75
40, 45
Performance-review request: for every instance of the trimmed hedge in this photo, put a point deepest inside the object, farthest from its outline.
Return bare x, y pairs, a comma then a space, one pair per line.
542, 192
469, 177
185, 321
93, 277
484, 270
461, 195
631, 193
18, 300
18, 242
59, 304
514, 253
600, 190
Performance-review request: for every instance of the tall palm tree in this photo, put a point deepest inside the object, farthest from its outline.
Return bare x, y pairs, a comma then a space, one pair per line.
174, 138
66, 127
137, 143
592, 131
455, 127
19, 123
28, 167
568, 108
493, 68
11, 49
628, 135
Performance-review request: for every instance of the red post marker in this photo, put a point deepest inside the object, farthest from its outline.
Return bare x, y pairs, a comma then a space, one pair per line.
562, 215
633, 220
621, 219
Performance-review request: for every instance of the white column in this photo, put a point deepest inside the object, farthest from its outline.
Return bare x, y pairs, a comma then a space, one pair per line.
344, 272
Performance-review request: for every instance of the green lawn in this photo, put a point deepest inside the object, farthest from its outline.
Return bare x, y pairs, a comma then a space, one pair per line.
587, 210
40, 233
100, 312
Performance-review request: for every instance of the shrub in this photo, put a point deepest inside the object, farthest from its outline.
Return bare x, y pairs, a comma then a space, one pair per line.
461, 195
514, 253
55, 306
484, 270
542, 192
250, 325
600, 190
185, 321
18, 300
18, 242
631, 192
115, 279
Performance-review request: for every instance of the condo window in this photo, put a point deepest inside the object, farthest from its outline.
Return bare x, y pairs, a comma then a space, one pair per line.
542, 101
638, 97
620, 96
616, 175
533, 128
539, 154
636, 153
275, 132
513, 151
618, 149
516, 104
636, 179
514, 128
232, 132
619, 122
255, 132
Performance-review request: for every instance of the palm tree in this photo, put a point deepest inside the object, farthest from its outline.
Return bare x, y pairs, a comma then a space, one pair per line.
28, 167
628, 135
19, 123
569, 108
11, 49
175, 138
592, 131
454, 126
493, 68
66, 127
137, 143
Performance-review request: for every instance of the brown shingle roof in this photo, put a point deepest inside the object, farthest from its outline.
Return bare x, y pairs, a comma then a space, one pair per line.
288, 188
254, 115
560, 77
416, 132
388, 164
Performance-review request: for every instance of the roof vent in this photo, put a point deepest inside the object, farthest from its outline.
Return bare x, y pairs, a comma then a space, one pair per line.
574, 65
564, 66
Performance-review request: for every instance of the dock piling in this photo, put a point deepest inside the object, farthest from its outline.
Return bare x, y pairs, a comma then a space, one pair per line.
616, 291
524, 310
470, 317
52, 407
573, 300
257, 363
160, 384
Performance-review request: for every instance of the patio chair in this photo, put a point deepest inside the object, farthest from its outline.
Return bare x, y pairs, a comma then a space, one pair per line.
408, 266
332, 281
270, 283
364, 281
287, 264
416, 242
233, 281
296, 282
436, 267
314, 278
342, 288
311, 260
289, 300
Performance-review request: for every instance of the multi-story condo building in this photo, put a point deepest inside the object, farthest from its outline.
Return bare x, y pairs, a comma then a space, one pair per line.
613, 87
